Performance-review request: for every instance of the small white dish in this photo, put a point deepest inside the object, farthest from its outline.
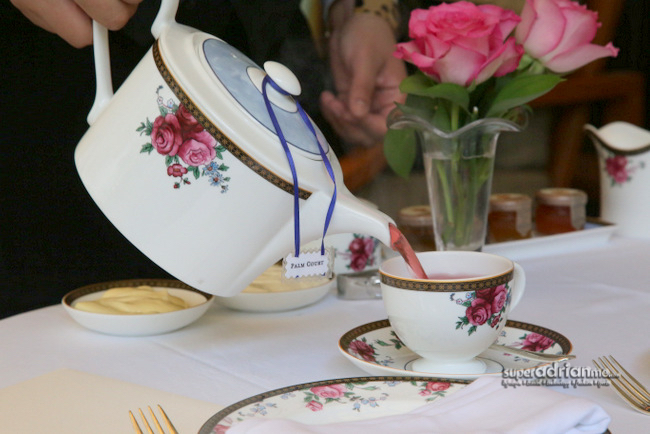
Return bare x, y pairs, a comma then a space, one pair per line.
277, 301
138, 325
339, 400
375, 348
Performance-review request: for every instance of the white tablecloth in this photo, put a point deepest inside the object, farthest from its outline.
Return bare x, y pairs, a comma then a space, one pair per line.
598, 298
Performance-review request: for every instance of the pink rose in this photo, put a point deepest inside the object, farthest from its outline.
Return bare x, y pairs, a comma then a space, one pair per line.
486, 294
198, 149
437, 386
536, 342
357, 245
166, 135
314, 406
176, 170
331, 391
617, 168
363, 349
186, 121
495, 321
479, 311
559, 33
499, 297
358, 262
461, 42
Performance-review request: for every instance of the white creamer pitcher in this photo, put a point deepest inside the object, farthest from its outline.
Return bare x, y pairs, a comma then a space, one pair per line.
185, 161
624, 161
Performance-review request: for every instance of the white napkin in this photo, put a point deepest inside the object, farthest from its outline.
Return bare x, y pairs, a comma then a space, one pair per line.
485, 406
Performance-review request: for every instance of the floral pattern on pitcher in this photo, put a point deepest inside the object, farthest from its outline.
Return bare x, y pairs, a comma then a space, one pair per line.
188, 149
360, 253
484, 306
619, 168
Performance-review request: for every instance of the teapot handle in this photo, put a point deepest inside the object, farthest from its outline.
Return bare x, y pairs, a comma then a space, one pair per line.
104, 92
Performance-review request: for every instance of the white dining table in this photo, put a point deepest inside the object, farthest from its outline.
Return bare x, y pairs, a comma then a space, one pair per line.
598, 297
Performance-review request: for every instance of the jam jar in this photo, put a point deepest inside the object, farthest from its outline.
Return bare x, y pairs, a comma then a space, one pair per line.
510, 217
560, 210
416, 224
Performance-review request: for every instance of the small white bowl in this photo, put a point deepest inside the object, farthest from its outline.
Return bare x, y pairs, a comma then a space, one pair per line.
138, 324
277, 301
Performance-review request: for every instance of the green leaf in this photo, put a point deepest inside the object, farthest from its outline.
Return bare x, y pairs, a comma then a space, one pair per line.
416, 83
454, 93
520, 91
195, 170
400, 149
147, 147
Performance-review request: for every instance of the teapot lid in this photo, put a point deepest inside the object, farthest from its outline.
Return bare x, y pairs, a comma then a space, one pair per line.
223, 88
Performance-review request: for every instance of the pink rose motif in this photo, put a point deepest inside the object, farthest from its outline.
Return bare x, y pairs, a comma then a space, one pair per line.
220, 429
499, 297
479, 312
495, 321
437, 386
559, 33
536, 342
424, 392
332, 391
617, 168
186, 121
198, 150
166, 135
358, 262
486, 294
461, 42
363, 349
314, 406
176, 170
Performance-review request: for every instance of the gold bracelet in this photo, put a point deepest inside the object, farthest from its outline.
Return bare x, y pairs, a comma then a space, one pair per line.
386, 9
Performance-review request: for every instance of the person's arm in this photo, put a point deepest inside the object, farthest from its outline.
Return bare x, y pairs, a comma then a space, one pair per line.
72, 19
366, 75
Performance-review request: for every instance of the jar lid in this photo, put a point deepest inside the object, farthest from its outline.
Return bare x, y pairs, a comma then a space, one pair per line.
416, 215
561, 196
510, 202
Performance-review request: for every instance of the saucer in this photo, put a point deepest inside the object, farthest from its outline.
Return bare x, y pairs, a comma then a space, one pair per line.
375, 348
338, 400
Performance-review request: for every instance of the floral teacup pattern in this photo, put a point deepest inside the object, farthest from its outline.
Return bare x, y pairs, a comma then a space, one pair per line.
484, 306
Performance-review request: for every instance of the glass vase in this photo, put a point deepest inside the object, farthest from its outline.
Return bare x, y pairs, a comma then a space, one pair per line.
459, 167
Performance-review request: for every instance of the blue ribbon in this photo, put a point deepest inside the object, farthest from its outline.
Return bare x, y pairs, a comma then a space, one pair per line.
292, 166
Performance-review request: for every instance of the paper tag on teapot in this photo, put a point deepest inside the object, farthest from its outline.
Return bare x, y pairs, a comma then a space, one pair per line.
310, 263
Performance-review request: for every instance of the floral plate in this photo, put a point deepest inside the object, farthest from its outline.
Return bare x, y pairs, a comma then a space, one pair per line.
340, 400
375, 348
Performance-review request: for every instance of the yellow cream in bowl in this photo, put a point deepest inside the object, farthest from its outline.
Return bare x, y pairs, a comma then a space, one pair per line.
271, 281
133, 300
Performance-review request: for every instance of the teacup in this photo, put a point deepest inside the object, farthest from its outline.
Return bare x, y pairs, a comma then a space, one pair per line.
455, 314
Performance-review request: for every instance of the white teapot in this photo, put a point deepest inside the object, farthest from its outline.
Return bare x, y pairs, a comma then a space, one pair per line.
185, 161
624, 161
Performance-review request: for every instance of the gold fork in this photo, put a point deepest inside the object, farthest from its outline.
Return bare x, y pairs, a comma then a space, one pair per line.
625, 384
159, 429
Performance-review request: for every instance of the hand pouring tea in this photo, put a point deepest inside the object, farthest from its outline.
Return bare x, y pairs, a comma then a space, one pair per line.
185, 160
